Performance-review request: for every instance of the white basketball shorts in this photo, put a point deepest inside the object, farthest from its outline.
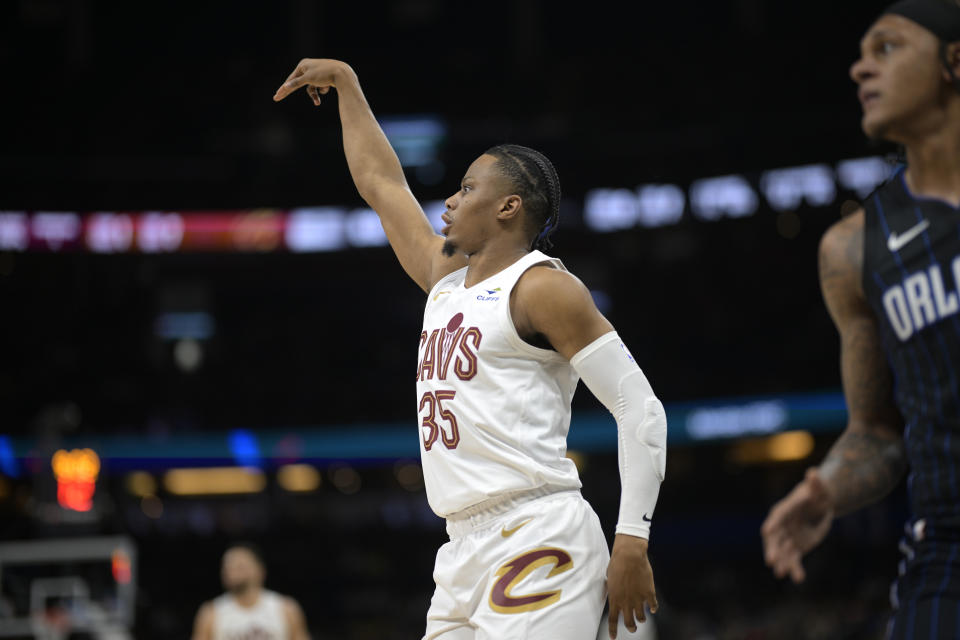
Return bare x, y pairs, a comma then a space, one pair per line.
529, 566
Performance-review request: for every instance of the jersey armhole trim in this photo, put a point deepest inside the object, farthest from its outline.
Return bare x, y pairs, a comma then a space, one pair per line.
873, 236
510, 330
864, 270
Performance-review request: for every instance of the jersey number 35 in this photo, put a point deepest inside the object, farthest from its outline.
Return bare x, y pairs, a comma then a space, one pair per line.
433, 402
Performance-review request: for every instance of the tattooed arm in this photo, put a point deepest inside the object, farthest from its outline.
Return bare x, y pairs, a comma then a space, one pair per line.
868, 460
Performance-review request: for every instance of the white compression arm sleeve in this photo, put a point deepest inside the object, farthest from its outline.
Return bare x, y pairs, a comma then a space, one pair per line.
610, 372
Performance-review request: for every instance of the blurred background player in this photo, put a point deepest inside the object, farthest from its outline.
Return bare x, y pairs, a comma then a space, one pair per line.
890, 274
247, 611
507, 332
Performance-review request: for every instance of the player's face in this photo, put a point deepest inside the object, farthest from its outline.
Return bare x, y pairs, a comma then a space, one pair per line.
471, 216
241, 570
899, 75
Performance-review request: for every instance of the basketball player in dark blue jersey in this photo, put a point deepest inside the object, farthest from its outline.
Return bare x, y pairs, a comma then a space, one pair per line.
890, 276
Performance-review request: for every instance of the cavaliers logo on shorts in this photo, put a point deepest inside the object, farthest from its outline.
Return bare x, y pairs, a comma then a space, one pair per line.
503, 600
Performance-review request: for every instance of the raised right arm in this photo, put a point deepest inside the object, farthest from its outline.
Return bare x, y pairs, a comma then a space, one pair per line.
376, 171
868, 460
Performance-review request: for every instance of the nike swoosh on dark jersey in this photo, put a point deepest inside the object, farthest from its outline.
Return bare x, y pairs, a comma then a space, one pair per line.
897, 241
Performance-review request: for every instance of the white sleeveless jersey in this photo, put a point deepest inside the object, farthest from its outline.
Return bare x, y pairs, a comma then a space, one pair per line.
494, 411
263, 621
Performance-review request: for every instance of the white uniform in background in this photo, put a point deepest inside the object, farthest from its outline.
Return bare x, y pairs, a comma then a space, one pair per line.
527, 557
265, 620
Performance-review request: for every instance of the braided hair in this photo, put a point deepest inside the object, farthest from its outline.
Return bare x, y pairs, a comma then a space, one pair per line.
535, 180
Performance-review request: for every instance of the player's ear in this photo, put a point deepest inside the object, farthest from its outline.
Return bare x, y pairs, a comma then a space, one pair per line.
509, 207
951, 55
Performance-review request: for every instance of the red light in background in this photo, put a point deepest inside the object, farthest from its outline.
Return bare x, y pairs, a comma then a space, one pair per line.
120, 566
76, 472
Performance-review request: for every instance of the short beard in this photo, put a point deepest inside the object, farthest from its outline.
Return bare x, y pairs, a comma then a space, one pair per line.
449, 249
239, 588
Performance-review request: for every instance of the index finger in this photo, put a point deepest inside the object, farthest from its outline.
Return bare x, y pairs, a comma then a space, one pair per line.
774, 546
293, 82
777, 516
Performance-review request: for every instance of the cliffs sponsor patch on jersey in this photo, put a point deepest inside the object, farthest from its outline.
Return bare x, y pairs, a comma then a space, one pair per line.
492, 295
452, 344
921, 299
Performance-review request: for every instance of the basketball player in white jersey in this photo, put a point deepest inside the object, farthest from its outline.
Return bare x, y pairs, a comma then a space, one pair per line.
247, 611
507, 333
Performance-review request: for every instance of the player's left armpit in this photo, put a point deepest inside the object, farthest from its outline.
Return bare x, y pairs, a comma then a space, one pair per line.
610, 372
